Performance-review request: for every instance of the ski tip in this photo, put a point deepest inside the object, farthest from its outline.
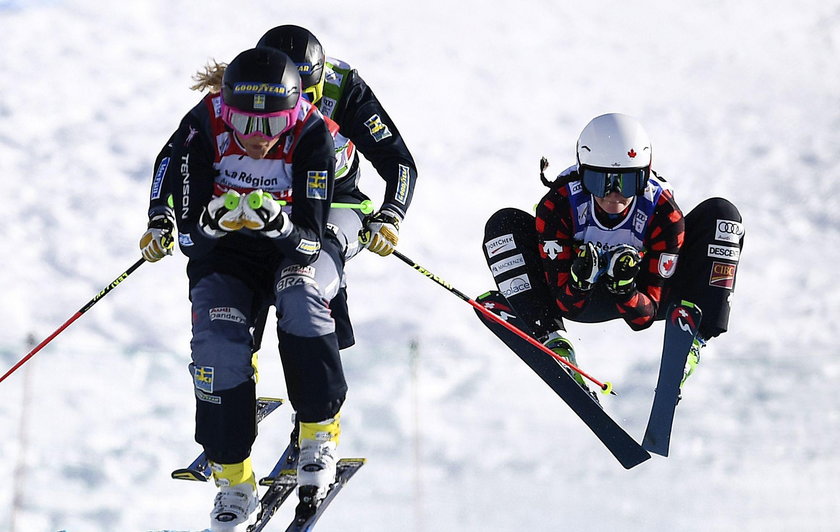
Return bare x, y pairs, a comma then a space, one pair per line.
190, 474
630, 464
271, 400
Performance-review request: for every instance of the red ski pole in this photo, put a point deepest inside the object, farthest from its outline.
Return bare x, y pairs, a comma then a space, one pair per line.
74, 317
606, 387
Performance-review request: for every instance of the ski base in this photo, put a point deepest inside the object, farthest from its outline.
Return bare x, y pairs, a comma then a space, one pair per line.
625, 449
681, 327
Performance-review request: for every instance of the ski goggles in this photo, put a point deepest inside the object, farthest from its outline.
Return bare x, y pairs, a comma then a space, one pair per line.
628, 182
266, 125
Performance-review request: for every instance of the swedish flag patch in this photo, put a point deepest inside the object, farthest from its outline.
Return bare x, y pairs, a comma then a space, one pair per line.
316, 184
203, 378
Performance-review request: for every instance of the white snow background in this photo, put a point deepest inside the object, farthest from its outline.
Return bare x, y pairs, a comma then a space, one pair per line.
740, 99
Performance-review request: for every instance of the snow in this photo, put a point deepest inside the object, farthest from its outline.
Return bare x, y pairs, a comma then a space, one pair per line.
741, 101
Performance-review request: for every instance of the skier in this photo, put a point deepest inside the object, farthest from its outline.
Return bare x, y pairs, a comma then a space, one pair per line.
609, 241
342, 95
233, 155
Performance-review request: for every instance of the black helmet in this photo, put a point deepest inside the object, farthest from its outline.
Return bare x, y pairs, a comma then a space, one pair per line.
261, 93
261, 81
305, 50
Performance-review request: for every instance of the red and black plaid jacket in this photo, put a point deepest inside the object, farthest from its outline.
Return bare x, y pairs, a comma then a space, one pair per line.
662, 241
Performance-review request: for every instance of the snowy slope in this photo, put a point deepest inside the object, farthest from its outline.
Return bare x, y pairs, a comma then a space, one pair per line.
741, 101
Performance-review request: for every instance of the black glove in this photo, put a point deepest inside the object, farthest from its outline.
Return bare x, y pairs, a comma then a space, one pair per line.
586, 267
622, 270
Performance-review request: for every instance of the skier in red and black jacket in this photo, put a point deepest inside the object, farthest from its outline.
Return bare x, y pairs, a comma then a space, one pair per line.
609, 241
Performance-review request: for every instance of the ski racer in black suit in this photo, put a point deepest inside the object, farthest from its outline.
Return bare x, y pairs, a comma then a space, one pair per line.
342, 95
235, 157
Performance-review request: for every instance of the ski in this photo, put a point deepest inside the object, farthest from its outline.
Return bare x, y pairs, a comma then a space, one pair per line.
306, 516
199, 469
281, 483
628, 452
681, 328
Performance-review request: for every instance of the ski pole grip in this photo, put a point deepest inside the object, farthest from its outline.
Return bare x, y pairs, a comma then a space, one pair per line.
255, 199
231, 200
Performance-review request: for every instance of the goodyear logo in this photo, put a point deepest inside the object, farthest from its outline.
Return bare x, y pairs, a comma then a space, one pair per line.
308, 247
305, 69
316, 184
402, 184
203, 378
273, 89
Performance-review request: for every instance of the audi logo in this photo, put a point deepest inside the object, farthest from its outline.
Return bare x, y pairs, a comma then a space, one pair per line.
733, 228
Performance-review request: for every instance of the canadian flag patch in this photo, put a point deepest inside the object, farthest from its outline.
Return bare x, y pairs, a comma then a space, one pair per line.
667, 264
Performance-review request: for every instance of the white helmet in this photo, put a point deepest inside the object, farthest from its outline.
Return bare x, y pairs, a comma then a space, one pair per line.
610, 147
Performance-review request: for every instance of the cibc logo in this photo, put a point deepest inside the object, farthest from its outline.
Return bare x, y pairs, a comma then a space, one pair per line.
728, 231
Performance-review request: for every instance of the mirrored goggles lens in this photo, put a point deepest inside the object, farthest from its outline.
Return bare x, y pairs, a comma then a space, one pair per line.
268, 126
600, 182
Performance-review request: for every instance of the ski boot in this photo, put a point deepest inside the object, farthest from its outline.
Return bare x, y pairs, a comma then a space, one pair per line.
693, 358
235, 506
316, 463
561, 346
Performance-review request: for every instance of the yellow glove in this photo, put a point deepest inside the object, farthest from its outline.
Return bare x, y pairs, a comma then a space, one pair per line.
380, 233
157, 242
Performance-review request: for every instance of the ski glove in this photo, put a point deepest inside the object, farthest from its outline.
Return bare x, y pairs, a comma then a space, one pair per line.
222, 215
622, 270
586, 267
380, 232
260, 212
157, 241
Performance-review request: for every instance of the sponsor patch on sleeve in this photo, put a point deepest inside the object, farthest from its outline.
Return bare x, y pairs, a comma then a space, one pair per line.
316, 184
378, 130
403, 179
185, 239
667, 265
157, 183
